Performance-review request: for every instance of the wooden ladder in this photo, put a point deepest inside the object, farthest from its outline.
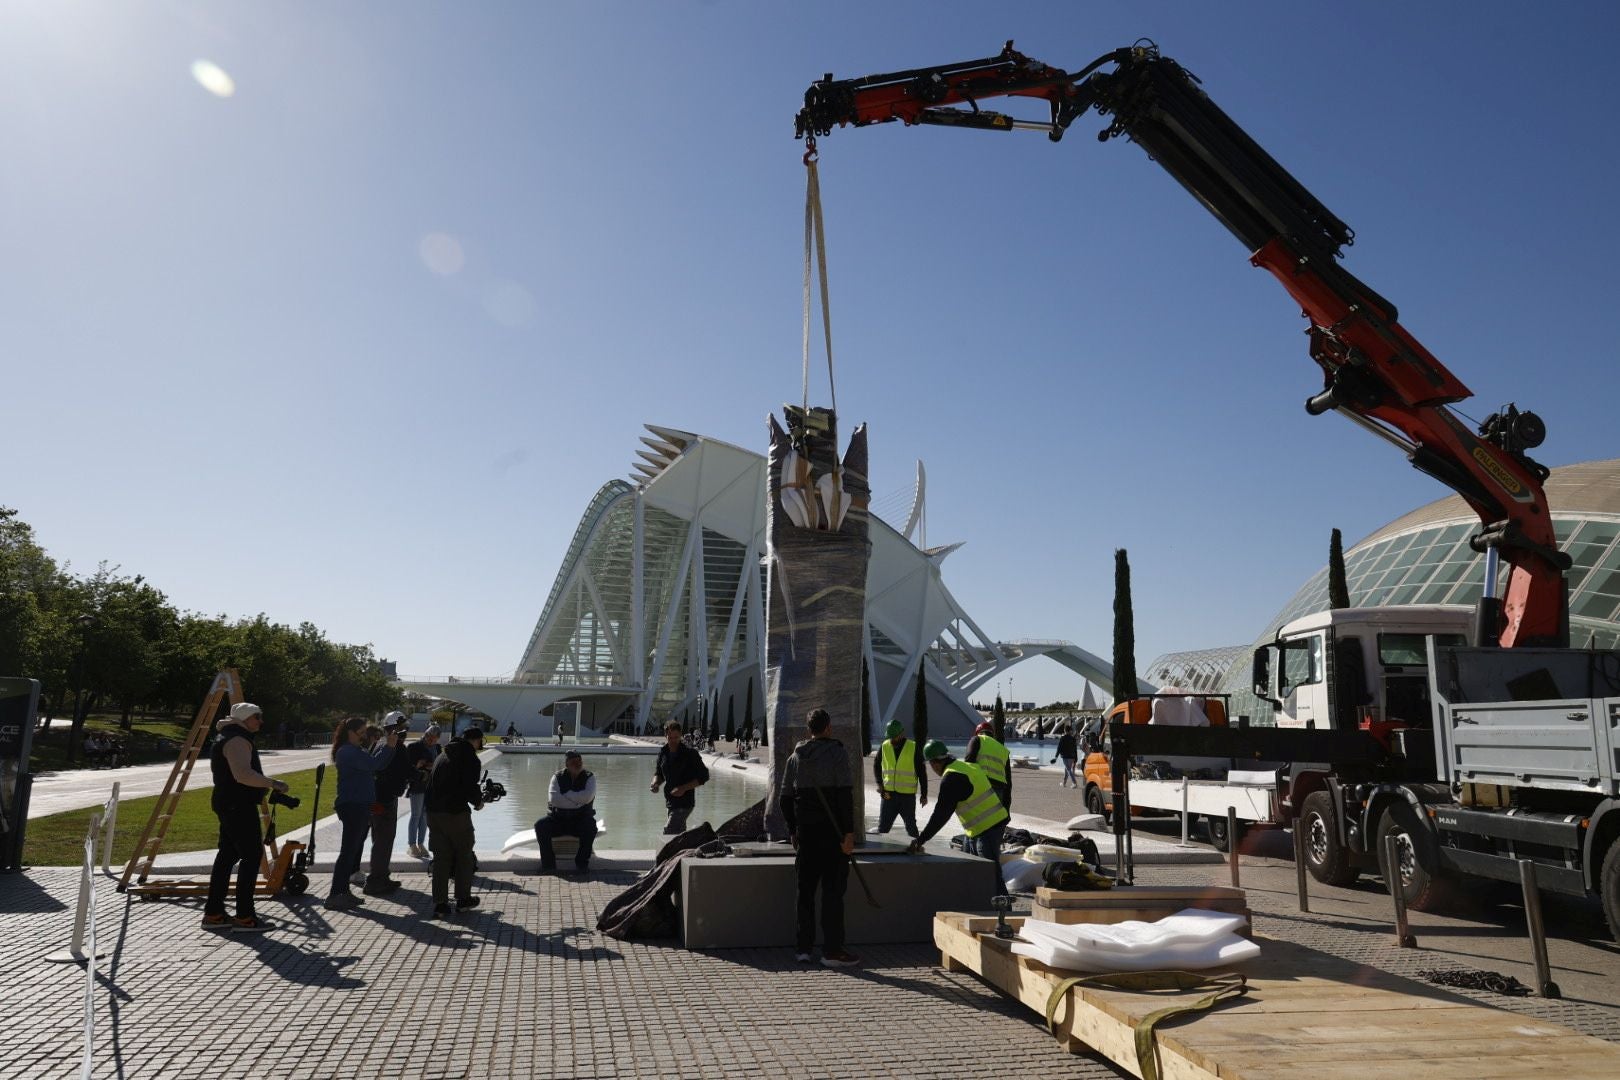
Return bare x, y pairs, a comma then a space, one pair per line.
227, 687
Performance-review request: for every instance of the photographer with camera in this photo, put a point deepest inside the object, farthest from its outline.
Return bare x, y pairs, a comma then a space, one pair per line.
357, 770
239, 784
392, 780
453, 794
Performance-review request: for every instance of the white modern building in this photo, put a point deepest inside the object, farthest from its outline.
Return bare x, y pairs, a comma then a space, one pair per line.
660, 606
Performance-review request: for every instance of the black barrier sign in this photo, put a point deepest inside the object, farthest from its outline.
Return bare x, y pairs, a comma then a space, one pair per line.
19, 698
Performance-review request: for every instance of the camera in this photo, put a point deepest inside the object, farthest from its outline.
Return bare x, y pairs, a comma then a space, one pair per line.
493, 790
278, 798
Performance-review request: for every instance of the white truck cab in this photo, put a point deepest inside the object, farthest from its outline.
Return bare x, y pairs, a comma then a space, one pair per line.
1333, 669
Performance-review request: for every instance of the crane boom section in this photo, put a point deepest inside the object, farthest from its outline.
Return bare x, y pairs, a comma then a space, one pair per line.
1372, 368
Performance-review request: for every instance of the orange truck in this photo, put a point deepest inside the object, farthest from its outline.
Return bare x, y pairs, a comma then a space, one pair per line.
1202, 787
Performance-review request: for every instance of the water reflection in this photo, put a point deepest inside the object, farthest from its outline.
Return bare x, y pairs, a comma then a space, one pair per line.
634, 815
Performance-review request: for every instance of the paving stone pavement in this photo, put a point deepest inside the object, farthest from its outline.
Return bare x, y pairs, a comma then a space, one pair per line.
524, 987
521, 987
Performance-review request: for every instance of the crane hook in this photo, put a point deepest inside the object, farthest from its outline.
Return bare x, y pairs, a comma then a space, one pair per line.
810, 154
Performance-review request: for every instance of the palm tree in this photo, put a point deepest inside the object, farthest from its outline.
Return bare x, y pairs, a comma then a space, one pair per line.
1338, 586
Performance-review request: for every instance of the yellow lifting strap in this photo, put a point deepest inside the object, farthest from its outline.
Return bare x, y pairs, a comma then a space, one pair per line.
1225, 985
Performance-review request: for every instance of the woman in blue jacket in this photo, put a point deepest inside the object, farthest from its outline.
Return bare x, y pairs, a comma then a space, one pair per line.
357, 769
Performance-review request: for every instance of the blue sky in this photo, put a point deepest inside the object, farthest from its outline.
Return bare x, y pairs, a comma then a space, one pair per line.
357, 343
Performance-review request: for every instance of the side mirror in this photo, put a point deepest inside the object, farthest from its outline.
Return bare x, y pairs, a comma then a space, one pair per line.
1260, 679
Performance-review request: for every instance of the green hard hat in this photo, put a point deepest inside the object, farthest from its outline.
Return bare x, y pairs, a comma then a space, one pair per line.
894, 728
935, 750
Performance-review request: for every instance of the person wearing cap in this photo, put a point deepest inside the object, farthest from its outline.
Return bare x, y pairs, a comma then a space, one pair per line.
964, 790
453, 794
819, 806
239, 785
392, 780
572, 812
421, 755
901, 780
991, 755
357, 768
681, 771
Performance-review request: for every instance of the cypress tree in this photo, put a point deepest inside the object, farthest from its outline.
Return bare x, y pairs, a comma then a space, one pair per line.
866, 709
998, 721
1338, 584
731, 719
1125, 688
919, 708
748, 711
714, 719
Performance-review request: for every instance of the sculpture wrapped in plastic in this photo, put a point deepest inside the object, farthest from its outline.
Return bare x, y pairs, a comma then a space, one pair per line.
816, 533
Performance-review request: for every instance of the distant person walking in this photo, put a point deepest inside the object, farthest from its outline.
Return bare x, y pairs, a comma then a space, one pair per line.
421, 755
901, 780
818, 803
1068, 753
571, 811
681, 771
992, 755
965, 790
357, 770
239, 784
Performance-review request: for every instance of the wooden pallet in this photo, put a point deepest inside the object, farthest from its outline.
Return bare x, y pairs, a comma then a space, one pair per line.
1306, 1013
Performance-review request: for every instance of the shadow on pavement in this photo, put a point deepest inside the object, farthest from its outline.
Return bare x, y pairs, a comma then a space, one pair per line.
22, 894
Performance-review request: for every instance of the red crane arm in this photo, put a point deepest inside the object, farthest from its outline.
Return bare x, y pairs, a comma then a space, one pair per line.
1374, 371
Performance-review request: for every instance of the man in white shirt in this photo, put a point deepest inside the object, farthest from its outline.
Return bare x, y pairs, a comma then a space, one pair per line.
572, 813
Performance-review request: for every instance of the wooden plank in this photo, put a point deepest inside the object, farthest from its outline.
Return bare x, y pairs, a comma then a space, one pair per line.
1344, 1021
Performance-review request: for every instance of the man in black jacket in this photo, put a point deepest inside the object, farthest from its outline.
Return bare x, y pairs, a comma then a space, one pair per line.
239, 785
391, 784
818, 803
681, 770
453, 794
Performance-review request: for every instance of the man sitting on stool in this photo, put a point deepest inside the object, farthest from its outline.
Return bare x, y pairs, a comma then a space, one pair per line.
573, 791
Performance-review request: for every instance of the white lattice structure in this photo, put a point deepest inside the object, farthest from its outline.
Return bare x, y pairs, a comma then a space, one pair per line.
660, 606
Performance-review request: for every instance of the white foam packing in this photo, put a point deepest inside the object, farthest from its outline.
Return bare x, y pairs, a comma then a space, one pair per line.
1192, 938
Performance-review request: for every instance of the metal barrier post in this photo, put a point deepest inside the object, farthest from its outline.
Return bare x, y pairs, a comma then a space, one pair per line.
1185, 817
1231, 842
1538, 932
75, 951
1392, 875
109, 822
1299, 866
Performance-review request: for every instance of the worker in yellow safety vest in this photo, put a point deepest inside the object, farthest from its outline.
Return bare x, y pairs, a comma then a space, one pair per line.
902, 782
992, 755
965, 790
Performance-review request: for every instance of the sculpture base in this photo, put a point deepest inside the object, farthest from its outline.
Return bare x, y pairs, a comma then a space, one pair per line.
750, 901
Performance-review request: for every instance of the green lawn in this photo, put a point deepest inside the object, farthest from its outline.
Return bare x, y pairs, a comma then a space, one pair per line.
58, 840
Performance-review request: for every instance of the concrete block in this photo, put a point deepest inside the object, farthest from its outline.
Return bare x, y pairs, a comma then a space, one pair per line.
735, 903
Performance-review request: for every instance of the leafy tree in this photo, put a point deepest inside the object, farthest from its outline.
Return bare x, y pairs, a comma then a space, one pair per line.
1338, 585
1125, 682
998, 720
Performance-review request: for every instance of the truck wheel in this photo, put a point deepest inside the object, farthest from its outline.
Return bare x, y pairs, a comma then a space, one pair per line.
1325, 856
1215, 827
1609, 888
1417, 858
1096, 805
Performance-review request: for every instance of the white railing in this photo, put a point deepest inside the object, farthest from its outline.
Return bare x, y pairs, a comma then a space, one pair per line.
84, 949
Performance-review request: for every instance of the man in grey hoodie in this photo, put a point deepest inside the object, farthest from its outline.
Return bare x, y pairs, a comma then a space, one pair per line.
818, 803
